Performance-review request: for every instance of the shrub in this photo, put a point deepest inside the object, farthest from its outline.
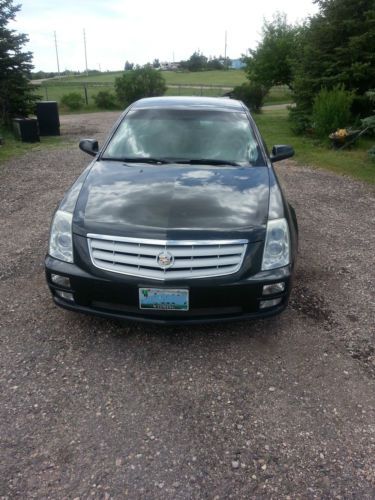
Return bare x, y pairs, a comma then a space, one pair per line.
300, 120
105, 100
72, 101
369, 123
141, 82
331, 110
252, 94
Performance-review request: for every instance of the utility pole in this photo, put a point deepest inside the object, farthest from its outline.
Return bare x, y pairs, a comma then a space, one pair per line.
84, 44
225, 51
57, 54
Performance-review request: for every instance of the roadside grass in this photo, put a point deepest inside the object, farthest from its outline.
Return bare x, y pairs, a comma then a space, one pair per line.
13, 147
275, 127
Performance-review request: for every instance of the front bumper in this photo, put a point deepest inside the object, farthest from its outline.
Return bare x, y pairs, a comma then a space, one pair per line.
211, 300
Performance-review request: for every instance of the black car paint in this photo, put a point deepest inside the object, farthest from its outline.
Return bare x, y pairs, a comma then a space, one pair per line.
132, 199
175, 201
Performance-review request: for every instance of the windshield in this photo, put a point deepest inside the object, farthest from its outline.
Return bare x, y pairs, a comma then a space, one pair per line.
180, 134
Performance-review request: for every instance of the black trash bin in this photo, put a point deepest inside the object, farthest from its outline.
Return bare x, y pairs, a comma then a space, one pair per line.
47, 113
26, 129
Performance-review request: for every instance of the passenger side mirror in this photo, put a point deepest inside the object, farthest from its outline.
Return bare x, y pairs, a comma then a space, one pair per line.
90, 146
281, 152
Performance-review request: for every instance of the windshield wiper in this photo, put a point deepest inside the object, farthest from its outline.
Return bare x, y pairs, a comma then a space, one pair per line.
209, 161
146, 159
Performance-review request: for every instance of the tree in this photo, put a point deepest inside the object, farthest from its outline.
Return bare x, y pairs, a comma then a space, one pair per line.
16, 94
337, 48
156, 63
196, 62
141, 82
215, 63
271, 62
252, 94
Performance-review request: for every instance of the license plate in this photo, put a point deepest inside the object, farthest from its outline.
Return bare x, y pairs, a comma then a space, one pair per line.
164, 299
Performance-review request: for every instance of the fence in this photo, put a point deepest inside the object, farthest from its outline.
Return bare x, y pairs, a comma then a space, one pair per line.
53, 91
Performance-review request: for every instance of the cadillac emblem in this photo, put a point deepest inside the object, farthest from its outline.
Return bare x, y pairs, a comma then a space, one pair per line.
165, 259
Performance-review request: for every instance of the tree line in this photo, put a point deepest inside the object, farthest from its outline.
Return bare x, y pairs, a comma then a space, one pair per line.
333, 50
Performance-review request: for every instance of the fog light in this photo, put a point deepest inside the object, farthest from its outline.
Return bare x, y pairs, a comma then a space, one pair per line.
65, 295
265, 304
273, 288
60, 280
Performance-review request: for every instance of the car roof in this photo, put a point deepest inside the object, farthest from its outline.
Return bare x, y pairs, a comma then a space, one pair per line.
215, 103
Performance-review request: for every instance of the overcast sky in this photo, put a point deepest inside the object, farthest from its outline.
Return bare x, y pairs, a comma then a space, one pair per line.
142, 30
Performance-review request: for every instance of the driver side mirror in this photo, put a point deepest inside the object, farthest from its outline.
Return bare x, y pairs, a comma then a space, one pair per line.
90, 146
281, 152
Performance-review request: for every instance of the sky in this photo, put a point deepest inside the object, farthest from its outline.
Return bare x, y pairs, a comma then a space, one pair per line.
142, 30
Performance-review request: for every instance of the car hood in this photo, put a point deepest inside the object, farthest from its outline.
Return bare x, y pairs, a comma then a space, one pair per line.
135, 199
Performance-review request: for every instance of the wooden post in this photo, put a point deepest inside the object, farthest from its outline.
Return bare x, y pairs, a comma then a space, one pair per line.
86, 96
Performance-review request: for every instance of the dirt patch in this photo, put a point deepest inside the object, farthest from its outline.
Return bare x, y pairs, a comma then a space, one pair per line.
311, 305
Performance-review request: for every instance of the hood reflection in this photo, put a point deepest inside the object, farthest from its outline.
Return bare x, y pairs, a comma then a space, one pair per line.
175, 197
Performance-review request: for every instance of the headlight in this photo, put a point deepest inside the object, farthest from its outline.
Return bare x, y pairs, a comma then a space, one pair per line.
60, 242
276, 249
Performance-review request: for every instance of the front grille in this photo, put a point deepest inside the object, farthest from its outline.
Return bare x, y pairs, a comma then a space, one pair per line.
166, 260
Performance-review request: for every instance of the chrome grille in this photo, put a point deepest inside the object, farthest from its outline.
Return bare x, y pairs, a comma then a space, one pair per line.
187, 259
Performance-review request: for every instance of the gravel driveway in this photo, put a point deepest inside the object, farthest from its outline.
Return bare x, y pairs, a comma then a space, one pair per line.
279, 408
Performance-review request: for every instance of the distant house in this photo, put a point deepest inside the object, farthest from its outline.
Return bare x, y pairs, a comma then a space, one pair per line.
237, 64
169, 66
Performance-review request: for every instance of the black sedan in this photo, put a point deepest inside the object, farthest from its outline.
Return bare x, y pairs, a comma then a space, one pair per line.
179, 218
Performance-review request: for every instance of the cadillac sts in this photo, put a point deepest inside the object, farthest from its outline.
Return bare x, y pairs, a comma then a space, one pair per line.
179, 218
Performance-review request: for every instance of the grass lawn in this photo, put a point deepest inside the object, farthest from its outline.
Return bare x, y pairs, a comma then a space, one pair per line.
277, 95
13, 147
275, 128
54, 89
226, 78
184, 83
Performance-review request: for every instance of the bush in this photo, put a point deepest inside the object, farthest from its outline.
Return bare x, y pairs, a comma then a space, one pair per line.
331, 110
105, 100
300, 120
141, 82
369, 123
251, 94
72, 101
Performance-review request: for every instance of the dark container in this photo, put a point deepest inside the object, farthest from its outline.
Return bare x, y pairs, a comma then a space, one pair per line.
26, 129
47, 113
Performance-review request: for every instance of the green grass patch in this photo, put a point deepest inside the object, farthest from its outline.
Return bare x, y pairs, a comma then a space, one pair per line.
183, 83
229, 78
217, 77
275, 128
278, 95
55, 91
13, 147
